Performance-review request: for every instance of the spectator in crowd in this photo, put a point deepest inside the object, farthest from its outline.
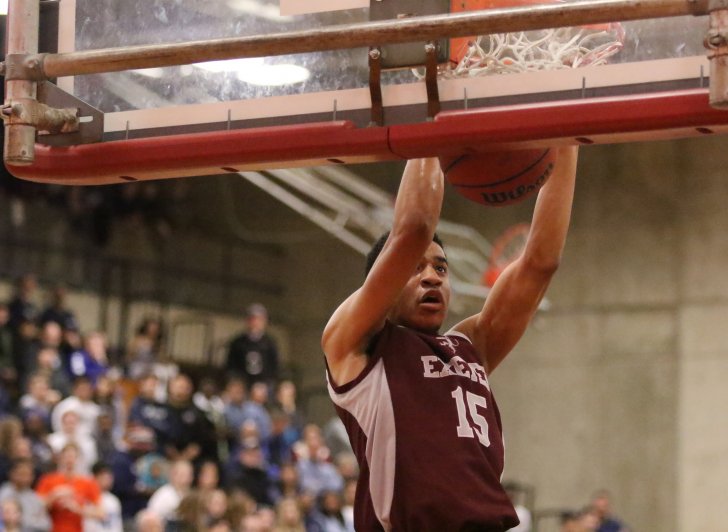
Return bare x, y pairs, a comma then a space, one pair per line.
36, 431
92, 361
349, 498
288, 516
11, 430
165, 500
287, 485
49, 363
165, 370
335, 436
21, 449
209, 402
207, 399
19, 487
110, 504
71, 432
81, 402
40, 398
25, 347
254, 354
22, 306
234, 399
601, 507
51, 336
69, 497
8, 361
146, 409
285, 400
111, 403
152, 471
208, 477
328, 516
148, 521
516, 495
259, 520
133, 493
278, 448
145, 348
11, 516
215, 508
189, 514
57, 311
6, 406
571, 522
347, 465
315, 472
104, 437
248, 473
188, 435
255, 409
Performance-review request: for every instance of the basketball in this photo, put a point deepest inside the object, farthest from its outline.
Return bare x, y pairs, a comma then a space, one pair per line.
499, 178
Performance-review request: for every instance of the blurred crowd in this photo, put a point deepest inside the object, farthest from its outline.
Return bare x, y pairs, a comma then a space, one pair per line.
94, 211
596, 516
95, 439
100, 439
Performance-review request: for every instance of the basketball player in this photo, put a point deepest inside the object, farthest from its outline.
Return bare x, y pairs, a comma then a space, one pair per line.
416, 403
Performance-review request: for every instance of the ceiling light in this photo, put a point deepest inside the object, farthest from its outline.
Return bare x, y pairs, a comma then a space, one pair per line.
155, 73
300, 7
258, 9
274, 75
230, 65
255, 72
159, 73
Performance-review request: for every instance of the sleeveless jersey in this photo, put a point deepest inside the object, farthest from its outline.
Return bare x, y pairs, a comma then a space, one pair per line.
427, 434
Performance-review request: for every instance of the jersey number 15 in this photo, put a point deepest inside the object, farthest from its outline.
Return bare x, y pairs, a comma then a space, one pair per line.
477, 425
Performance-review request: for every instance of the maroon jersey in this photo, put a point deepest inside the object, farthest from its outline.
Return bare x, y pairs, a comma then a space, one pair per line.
427, 434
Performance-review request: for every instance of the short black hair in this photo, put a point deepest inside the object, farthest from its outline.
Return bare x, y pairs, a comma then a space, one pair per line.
379, 245
100, 467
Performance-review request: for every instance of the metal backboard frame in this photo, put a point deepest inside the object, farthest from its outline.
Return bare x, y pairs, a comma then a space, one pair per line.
184, 108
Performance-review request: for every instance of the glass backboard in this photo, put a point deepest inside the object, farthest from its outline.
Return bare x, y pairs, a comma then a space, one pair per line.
328, 93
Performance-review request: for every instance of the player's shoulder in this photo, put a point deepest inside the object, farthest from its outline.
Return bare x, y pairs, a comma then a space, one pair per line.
458, 334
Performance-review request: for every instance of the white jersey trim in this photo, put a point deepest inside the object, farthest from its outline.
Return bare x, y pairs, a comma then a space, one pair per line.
453, 332
370, 403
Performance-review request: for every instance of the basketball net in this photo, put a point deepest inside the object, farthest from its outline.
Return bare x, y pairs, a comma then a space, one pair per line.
550, 49
507, 248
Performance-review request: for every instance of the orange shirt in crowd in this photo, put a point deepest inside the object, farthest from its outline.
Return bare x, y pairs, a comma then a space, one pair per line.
84, 490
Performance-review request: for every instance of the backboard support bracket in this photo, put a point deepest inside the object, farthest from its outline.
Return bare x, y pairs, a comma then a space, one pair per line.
433, 94
716, 41
407, 55
89, 121
375, 87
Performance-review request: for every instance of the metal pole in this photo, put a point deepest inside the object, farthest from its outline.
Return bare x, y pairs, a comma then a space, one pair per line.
717, 44
22, 38
413, 29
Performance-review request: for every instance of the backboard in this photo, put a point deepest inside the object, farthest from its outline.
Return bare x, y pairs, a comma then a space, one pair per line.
315, 108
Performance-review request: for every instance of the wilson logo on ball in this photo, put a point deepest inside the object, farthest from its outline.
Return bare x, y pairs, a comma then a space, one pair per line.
499, 178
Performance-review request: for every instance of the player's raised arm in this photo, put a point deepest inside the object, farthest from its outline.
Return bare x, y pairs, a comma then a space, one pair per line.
361, 315
518, 291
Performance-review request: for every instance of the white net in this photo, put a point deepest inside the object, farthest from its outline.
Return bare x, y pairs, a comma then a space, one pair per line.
536, 50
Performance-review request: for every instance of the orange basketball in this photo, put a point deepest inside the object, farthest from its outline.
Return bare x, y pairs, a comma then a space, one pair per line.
499, 178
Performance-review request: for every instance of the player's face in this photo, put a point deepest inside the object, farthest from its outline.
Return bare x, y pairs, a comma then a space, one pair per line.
423, 303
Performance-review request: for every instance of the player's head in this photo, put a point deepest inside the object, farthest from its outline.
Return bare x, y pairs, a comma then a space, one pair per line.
373, 254
424, 300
